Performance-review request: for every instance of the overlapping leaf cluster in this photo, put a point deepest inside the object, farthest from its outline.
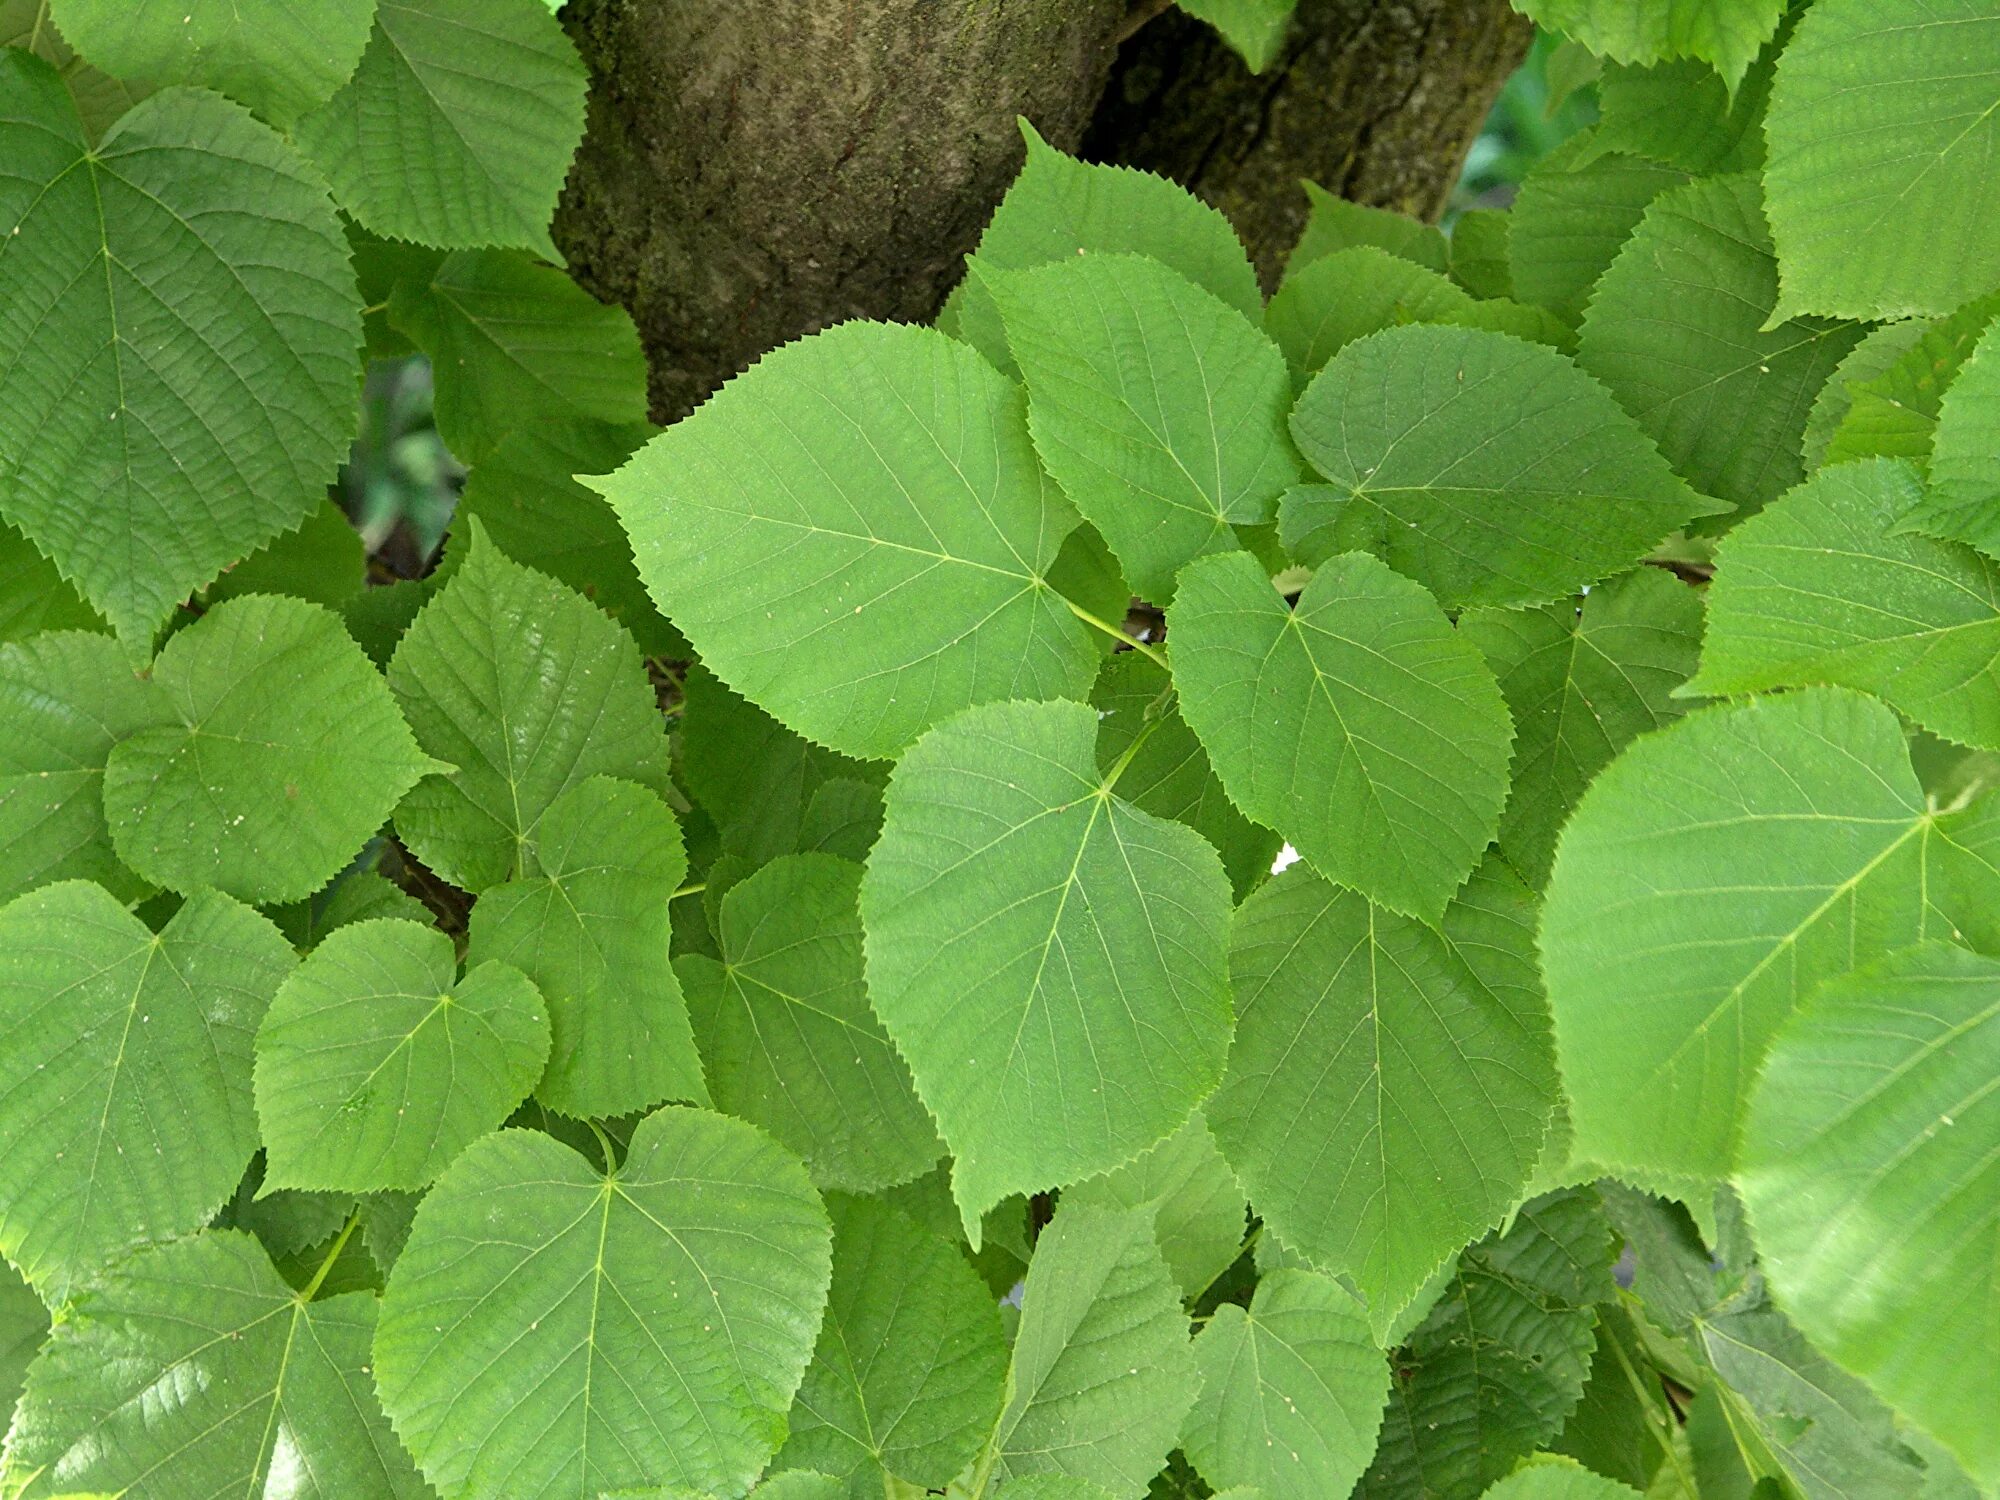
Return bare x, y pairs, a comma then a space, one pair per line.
853, 1042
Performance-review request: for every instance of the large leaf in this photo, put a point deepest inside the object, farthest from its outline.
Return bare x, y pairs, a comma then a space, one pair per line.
127, 1115
527, 690
1582, 681
1291, 1390
880, 480
787, 1038
281, 754
376, 1064
508, 336
1050, 959
1676, 330
193, 1369
1500, 1361
1866, 88
1816, 590
1712, 876
1197, 1207
553, 1330
66, 699
590, 929
278, 58
1357, 723
908, 1374
1963, 501
1390, 1082
494, 92
1490, 470
179, 341
1159, 409
1575, 209
1103, 1373
1871, 1168
1726, 33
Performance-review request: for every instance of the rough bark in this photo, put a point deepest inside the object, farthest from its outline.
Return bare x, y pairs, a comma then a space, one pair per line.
1375, 100
755, 172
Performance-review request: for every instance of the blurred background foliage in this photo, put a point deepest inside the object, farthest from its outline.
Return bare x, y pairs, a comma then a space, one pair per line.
400, 484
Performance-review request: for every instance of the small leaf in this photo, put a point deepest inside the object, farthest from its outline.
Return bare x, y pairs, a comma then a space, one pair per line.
655, 1321
1880, 349
279, 59
288, 754
907, 1378
1103, 1373
1576, 207
1865, 88
354, 896
590, 930
1334, 223
1816, 590
1291, 1390
1479, 260
1254, 28
1894, 411
1356, 723
1390, 1083
787, 1038
1582, 681
1198, 1210
492, 89
1558, 1479
1869, 1170
1963, 501
1050, 959
179, 341
323, 560
24, 1327
527, 690
1159, 409
128, 1114
66, 698
1725, 33
194, 1361
880, 479
1711, 877
376, 1065
1490, 470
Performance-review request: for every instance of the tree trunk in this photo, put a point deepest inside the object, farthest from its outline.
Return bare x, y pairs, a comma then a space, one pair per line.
755, 172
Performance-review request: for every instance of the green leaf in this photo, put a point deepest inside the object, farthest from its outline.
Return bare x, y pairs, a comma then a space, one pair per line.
324, 560
1895, 411
787, 1038
1711, 877
1059, 206
1291, 1391
1479, 252
524, 496
34, 597
1334, 223
1158, 408
1963, 501
508, 336
1197, 1208
1725, 33
1558, 1479
880, 479
1254, 28
181, 341
354, 896
127, 1115
100, 98
492, 89
1871, 1170
281, 753
1168, 773
590, 929
1357, 723
1676, 330
1103, 1373
1816, 590
279, 59
907, 1378
66, 699
1582, 682
1865, 88
550, 1329
527, 689
1683, 115
1049, 959
24, 1327
1576, 207
1490, 470
1390, 1082
1880, 349
1500, 1362
193, 1369
376, 1064
1059, 1487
